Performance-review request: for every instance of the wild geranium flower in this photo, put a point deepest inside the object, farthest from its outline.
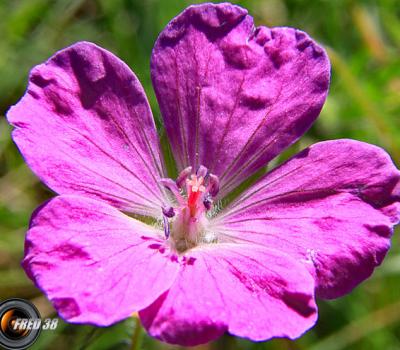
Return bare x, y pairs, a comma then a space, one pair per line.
232, 97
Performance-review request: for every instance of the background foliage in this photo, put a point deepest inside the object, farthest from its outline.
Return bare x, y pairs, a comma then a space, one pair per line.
363, 42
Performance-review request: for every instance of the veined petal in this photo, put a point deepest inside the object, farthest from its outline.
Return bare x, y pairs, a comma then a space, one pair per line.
84, 126
248, 290
234, 96
333, 207
95, 264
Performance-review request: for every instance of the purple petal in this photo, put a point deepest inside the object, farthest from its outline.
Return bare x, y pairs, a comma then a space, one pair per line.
94, 263
234, 96
247, 290
333, 207
84, 126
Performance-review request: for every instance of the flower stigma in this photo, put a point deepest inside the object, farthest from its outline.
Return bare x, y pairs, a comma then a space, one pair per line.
186, 224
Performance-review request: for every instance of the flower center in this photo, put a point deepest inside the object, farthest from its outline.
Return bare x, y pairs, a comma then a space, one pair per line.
186, 224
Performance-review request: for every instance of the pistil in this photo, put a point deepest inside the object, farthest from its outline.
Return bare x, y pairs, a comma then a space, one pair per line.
195, 191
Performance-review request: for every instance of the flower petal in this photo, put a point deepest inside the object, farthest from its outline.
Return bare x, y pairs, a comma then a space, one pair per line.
247, 290
333, 207
94, 263
234, 96
84, 126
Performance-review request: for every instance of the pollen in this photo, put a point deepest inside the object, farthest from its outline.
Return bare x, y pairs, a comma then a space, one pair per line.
195, 190
196, 183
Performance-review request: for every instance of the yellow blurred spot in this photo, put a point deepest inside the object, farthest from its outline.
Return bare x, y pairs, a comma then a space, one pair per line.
370, 33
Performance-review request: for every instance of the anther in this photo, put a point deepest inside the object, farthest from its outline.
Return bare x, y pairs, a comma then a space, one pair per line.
207, 202
202, 171
183, 175
169, 212
213, 185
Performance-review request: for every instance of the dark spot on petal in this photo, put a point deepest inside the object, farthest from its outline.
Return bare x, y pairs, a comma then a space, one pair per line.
303, 44
67, 307
96, 76
381, 230
303, 154
33, 94
262, 35
190, 261
240, 56
173, 257
68, 251
40, 80
321, 83
303, 41
255, 99
214, 20
275, 55
60, 106
45, 265
145, 238
155, 246
300, 35
317, 51
173, 32
216, 16
299, 302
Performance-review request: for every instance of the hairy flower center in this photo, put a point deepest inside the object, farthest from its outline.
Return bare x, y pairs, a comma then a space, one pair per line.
186, 224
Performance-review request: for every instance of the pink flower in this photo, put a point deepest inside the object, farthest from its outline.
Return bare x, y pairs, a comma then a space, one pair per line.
232, 98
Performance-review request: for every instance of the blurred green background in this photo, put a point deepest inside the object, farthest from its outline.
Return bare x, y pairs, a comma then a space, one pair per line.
363, 42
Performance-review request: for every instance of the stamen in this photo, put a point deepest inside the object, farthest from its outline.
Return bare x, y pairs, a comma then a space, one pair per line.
207, 202
196, 184
202, 171
187, 222
213, 185
166, 227
184, 174
171, 185
168, 212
